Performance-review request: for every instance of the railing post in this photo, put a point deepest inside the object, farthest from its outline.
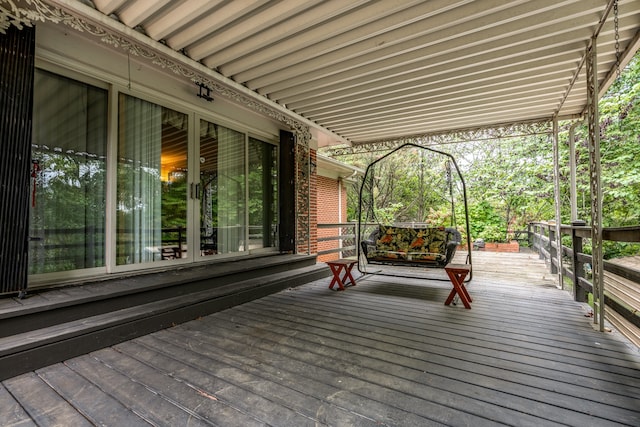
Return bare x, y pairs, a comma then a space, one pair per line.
579, 294
540, 241
553, 251
538, 238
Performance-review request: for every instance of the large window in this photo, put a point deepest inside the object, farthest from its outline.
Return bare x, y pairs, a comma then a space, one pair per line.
222, 199
181, 188
67, 220
151, 182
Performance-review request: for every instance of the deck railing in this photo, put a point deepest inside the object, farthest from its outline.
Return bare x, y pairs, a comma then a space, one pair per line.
343, 233
622, 298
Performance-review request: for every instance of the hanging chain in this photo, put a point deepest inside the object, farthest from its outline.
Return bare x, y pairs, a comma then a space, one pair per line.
616, 29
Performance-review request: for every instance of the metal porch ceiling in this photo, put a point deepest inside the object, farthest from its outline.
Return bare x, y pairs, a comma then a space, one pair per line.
376, 70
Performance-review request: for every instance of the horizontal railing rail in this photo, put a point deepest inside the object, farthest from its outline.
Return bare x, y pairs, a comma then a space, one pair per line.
344, 234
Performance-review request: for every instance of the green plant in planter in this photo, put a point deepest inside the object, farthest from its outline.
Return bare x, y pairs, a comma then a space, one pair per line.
494, 233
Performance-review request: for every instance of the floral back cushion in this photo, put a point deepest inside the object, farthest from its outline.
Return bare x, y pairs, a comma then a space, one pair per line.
395, 239
429, 240
400, 243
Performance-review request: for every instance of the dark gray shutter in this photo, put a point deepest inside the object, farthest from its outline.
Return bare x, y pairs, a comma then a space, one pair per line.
287, 192
17, 49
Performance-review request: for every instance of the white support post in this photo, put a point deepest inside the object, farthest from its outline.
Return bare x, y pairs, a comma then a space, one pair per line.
596, 187
556, 190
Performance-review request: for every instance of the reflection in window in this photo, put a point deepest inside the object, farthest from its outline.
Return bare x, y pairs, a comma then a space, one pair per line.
222, 200
263, 196
151, 182
67, 218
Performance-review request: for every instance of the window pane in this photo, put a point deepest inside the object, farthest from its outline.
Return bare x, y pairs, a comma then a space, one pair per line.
263, 197
152, 182
67, 220
222, 200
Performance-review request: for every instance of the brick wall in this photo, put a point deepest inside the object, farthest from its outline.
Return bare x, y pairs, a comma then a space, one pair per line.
329, 211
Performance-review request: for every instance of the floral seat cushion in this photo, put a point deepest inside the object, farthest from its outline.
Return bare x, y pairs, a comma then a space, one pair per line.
409, 244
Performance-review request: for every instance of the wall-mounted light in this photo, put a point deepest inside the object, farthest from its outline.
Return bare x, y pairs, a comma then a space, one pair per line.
205, 92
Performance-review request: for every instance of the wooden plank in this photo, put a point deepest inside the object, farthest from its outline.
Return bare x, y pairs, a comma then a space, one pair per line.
387, 357
148, 404
321, 401
13, 414
131, 283
8, 303
114, 327
87, 324
624, 289
622, 234
88, 399
630, 330
363, 398
416, 390
42, 403
622, 271
199, 369
452, 336
231, 404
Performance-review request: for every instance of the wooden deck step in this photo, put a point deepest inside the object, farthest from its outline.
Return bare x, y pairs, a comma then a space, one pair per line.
50, 306
29, 350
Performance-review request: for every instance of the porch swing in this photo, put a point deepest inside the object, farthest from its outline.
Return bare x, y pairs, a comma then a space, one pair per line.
403, 226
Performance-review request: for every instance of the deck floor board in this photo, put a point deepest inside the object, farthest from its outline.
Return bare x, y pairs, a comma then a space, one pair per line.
384, 352
441, 355
42, 403
13, 413
97, 406
462, 376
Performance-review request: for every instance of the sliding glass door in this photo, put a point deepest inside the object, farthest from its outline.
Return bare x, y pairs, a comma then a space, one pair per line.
152, 181
222, 190
69, 175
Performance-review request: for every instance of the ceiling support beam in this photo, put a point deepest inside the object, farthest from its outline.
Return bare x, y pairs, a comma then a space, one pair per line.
499, 131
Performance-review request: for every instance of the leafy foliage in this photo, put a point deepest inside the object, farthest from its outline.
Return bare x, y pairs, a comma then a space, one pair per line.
486, 223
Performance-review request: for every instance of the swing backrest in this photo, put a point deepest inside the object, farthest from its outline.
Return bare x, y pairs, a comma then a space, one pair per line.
431, 246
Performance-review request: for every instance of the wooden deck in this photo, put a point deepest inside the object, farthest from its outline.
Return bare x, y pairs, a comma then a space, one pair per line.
385, 352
